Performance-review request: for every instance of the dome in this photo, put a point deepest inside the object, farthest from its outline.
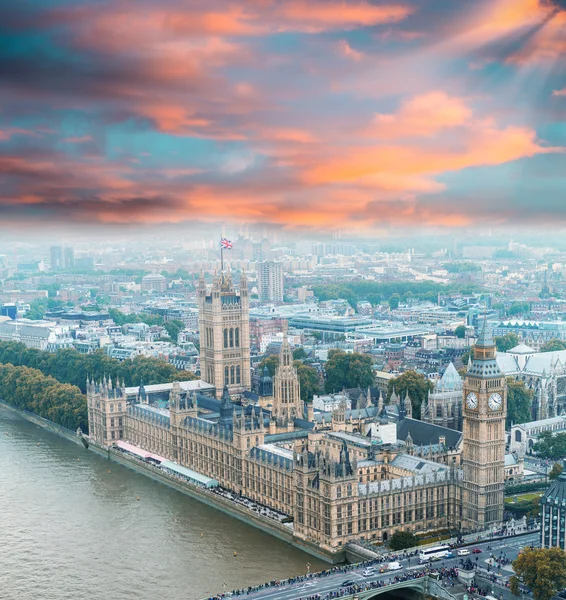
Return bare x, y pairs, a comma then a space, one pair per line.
265, 384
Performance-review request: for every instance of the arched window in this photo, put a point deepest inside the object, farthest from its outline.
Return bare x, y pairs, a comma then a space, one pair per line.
518, 436
231, 338
237, 337
226, 375
232, 375
238, 374
225, 338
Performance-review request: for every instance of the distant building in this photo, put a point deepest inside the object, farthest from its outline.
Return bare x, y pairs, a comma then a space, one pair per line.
155, 282
9, 310
270, 281
85, 263
69, 258
56, 254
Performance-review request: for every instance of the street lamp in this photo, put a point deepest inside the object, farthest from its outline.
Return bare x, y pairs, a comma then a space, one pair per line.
308, 568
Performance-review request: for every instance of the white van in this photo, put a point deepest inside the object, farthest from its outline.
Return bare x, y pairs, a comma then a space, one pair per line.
394, 566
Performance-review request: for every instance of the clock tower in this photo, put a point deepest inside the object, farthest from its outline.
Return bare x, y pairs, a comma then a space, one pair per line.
483, 454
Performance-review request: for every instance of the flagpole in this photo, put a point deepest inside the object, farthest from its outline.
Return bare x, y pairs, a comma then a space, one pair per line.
221, 257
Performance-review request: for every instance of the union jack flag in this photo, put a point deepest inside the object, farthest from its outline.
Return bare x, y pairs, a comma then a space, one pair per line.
225, 244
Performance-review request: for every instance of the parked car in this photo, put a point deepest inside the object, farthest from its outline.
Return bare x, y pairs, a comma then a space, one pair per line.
476, 551
463, 552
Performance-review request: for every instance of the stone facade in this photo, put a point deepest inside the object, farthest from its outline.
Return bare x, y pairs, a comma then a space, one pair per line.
483, 454
224, 325
444, 404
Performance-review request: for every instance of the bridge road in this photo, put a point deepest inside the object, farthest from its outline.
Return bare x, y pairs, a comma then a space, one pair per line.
330, 583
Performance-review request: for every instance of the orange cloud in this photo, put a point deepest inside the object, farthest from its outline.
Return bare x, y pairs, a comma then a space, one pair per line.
561, 92
423, 115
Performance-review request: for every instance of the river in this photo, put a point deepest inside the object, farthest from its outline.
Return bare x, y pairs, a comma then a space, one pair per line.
71, 527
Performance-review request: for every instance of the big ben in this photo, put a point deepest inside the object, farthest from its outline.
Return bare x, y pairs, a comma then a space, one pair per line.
483, 453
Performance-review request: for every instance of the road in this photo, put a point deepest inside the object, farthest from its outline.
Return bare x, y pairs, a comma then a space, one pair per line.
323, 584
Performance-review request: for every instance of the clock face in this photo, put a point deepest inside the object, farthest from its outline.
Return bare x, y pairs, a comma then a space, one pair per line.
495, 401
471, 401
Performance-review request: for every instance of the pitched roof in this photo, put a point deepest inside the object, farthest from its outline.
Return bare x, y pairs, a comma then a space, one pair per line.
424, 434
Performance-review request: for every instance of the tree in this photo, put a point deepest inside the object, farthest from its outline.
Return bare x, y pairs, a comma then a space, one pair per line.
550, 446
348, 370
37, 309
299, 354
271, 362
506, 342
416, 385
394, 301
556, 470
403, 539
553, 346
542, 570
519, 402
460, 331
308, 379
173, 328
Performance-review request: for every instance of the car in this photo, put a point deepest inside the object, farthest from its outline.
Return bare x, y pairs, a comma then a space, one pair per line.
368, 573
463, 552
348, 583
306, 585
394, 566
476, 551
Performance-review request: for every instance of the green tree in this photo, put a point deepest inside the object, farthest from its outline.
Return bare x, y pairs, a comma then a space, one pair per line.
553, 346
37, 309
394, 301
308, 379
542, 570
416, 385
518, 308
550, 446
556, 470
348, 370
174, 327
506, 342
299, 354
271, 362
519, 402
460, 331
403, 539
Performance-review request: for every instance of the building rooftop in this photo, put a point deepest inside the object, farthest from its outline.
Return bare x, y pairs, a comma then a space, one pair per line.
417, 464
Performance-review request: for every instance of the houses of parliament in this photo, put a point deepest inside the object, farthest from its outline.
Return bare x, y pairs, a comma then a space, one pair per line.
339, 479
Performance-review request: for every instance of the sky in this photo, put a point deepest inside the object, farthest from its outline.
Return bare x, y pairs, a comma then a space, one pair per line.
299, 114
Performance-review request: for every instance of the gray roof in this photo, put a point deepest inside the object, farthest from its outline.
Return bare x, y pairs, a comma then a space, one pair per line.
416, 464
557, 491
424, 434
450, 381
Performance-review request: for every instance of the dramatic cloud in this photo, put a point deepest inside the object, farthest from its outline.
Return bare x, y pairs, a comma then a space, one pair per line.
298, 112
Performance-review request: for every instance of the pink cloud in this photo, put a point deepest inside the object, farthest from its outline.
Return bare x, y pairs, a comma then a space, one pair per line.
423, 115
561, 92
346, 50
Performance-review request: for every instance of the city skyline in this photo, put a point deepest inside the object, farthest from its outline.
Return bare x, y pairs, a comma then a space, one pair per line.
367, 116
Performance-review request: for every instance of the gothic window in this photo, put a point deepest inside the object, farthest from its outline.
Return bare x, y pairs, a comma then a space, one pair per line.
226, 375
111, 408
438, 410
225, 338
232, 375
231, 338
237, 337
238, 378
517, 436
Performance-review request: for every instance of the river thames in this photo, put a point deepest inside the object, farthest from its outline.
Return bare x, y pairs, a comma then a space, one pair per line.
71, 527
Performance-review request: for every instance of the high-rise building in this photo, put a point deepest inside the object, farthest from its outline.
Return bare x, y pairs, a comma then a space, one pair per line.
483, 452
56, 253
270, 281
224, 323
69, 257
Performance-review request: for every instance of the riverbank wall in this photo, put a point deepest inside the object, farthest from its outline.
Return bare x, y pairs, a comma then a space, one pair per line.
270, 526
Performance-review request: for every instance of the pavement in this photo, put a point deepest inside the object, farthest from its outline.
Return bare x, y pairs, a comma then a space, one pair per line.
331, 582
